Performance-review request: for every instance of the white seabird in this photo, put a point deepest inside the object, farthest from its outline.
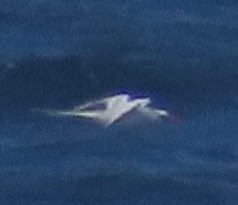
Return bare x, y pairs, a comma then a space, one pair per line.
110, 109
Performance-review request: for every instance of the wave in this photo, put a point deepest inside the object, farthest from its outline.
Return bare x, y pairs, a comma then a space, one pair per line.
118, 188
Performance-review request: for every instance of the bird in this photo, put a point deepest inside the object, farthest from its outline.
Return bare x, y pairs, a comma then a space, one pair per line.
109, 110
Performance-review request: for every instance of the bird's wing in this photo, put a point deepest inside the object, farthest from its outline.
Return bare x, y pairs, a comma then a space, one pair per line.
111, 101
99, 104
119, 112
108, 103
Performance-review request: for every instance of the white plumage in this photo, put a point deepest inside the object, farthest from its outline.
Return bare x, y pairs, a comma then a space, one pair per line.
110, 109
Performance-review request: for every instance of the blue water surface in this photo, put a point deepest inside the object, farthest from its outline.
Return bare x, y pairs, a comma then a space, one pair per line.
56, 54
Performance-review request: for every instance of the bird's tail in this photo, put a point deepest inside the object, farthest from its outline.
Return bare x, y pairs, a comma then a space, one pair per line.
93, 115
60, 113
50, 112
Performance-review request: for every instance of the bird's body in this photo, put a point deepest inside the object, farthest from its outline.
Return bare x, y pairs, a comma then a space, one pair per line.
108, 110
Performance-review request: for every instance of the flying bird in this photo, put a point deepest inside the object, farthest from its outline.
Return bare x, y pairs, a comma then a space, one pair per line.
110, 109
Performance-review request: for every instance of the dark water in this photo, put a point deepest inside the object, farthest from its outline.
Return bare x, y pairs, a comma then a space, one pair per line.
57, 54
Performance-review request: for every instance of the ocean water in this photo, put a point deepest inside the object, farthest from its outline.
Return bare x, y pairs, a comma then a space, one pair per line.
57, 54
61, 161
